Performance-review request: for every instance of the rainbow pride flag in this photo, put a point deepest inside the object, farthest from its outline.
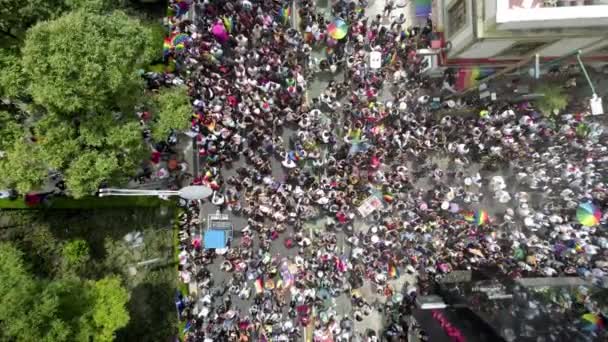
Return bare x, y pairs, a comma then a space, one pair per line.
284, 14
423, 8
392, 271
468, 78
167, 44
468, 216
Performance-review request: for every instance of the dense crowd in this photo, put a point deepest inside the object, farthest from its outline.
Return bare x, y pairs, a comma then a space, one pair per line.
495, 191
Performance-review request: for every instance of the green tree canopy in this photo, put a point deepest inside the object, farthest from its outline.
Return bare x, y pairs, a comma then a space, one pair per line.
21, 167
555, 98
87, 152
109, 311
172, 112
77, 81
10, 130
67, 309
12, 78
75, 255
17, 16
87, 63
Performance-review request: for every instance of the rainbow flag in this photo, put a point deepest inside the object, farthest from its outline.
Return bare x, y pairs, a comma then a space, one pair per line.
481, 217
468, 78
167, 43
285, 14
469, 216
423, 8
393, 272
228, 23
259, 285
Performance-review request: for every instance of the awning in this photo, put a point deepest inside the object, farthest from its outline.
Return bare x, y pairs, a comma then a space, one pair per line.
470, 326
215, 239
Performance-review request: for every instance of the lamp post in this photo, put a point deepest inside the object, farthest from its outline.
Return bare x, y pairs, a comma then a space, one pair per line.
192, 192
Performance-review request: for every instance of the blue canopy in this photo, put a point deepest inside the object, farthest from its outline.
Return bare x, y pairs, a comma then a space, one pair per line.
215, 239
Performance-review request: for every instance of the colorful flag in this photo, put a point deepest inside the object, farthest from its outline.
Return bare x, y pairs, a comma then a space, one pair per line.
228, 23
388, 198
481, 217
423, 8
285, 14
187, 327
392, 271
259, 285
468, 78
469, 216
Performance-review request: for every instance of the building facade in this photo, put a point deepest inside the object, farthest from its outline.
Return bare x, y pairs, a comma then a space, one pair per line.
500, 33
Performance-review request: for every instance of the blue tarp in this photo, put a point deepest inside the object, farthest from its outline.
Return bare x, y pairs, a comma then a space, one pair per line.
215, 239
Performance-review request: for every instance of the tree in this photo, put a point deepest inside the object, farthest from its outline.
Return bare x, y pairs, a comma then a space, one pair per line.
13, 81
87, 63
75, 255
17, 16
56, 140
67, 309
88, 171
10, 130
21, 167
554, 98
109, 311
26, 314
173, 110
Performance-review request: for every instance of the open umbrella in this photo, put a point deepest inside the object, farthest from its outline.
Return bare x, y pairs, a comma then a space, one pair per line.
180, 38
337, 29
588, 214
592, 322
219, 32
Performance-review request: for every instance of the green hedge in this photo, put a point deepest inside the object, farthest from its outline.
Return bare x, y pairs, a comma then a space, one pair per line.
183, 288
87, 203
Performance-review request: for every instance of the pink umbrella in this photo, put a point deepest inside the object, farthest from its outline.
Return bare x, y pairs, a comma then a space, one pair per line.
219, 32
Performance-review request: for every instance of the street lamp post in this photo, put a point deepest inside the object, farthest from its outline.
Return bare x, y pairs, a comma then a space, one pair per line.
192, 192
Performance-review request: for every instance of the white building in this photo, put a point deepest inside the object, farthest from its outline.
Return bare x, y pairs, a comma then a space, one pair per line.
499, 33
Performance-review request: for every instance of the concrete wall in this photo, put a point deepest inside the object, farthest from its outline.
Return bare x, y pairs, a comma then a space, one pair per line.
597, 49
489, 9
463, 37
567, 45
549, 17
486, 48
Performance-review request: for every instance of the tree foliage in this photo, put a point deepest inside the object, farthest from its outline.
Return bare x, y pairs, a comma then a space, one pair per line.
10, 130
67, 309
17, 16
172, 112
12, 78
555, 98
75, 255
109, 312
87, 153
21, 168
83, 63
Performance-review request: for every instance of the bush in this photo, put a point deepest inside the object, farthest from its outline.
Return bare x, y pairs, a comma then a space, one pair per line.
555, 98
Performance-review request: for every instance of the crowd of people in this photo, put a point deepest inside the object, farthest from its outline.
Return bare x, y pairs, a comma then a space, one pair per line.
494, 190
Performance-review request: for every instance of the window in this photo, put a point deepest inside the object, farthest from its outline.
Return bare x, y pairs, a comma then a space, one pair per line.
457, 16
521, 49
